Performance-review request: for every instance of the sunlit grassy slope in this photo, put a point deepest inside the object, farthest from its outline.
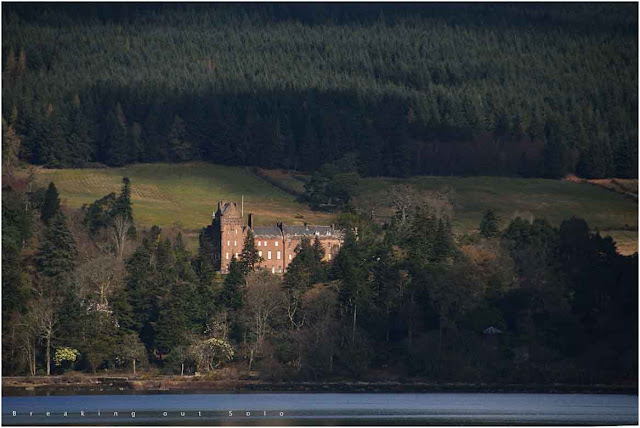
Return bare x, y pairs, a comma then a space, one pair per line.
165, 194
554, 200
611, 213
187, 194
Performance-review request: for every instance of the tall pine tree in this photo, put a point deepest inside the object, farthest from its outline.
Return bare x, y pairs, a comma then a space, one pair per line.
51, 205
249, 259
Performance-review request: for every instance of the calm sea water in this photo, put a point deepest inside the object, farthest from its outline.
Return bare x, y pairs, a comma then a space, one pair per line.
323, 409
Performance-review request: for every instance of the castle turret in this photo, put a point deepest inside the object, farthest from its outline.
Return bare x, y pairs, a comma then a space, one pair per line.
229, 232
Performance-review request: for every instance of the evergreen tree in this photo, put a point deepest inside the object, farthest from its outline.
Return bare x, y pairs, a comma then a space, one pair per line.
554, 159
100, 333
144, 287
97, 216
350, 269
231, 295
122, 204
154, 136
489, 224
78, 138
51, 205
123, 311
187, 279
136, 146
58, 254
443, 247
115, 143
11, 143
422, 239
305, 269
249, 259
179, 144
318, 251
53, 150
103, 212
16, 228
172, 326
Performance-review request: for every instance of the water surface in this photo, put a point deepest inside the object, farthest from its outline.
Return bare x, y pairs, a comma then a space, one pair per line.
324, 409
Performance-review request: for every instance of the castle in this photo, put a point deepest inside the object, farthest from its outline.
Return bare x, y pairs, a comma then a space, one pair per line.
275, 244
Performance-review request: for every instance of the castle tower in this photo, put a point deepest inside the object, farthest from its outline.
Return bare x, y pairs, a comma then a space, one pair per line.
229, 232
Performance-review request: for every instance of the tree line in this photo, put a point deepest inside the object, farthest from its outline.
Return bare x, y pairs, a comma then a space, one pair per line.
529, 90
86, 290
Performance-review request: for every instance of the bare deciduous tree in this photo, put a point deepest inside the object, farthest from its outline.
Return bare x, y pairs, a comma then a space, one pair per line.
263, 299
99, 278
218, 326
38, 324
28, 339
404, 199
119, 230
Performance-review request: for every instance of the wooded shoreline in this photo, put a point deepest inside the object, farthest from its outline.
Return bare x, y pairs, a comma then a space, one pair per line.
63, 385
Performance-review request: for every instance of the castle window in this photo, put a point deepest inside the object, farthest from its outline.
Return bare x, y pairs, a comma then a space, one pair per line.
227, 256
259, 253
289, 256
276, 243
228, 243
329, 256
278, 255
235, 243
236, 255
265, 243
268, 255
259, 243
273, 269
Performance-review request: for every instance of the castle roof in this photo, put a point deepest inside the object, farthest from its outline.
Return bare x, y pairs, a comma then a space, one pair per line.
267, 231
228, 208
310, 230
297, 231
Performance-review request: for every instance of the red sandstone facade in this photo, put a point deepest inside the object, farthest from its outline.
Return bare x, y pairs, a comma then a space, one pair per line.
275, 244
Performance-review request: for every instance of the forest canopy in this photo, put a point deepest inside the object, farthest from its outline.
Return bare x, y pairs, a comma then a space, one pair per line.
465, 89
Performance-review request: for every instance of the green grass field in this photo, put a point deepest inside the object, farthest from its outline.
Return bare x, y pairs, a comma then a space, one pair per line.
554, 200
611, 213
187, 194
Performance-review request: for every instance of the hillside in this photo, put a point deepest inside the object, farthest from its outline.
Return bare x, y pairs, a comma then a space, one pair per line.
535, 90
183, 195
186, 194
613, 214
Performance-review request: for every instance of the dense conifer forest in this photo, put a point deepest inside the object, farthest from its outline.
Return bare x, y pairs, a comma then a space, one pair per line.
445, 89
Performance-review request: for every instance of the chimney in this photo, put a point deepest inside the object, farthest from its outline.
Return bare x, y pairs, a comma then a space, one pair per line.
250, 221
